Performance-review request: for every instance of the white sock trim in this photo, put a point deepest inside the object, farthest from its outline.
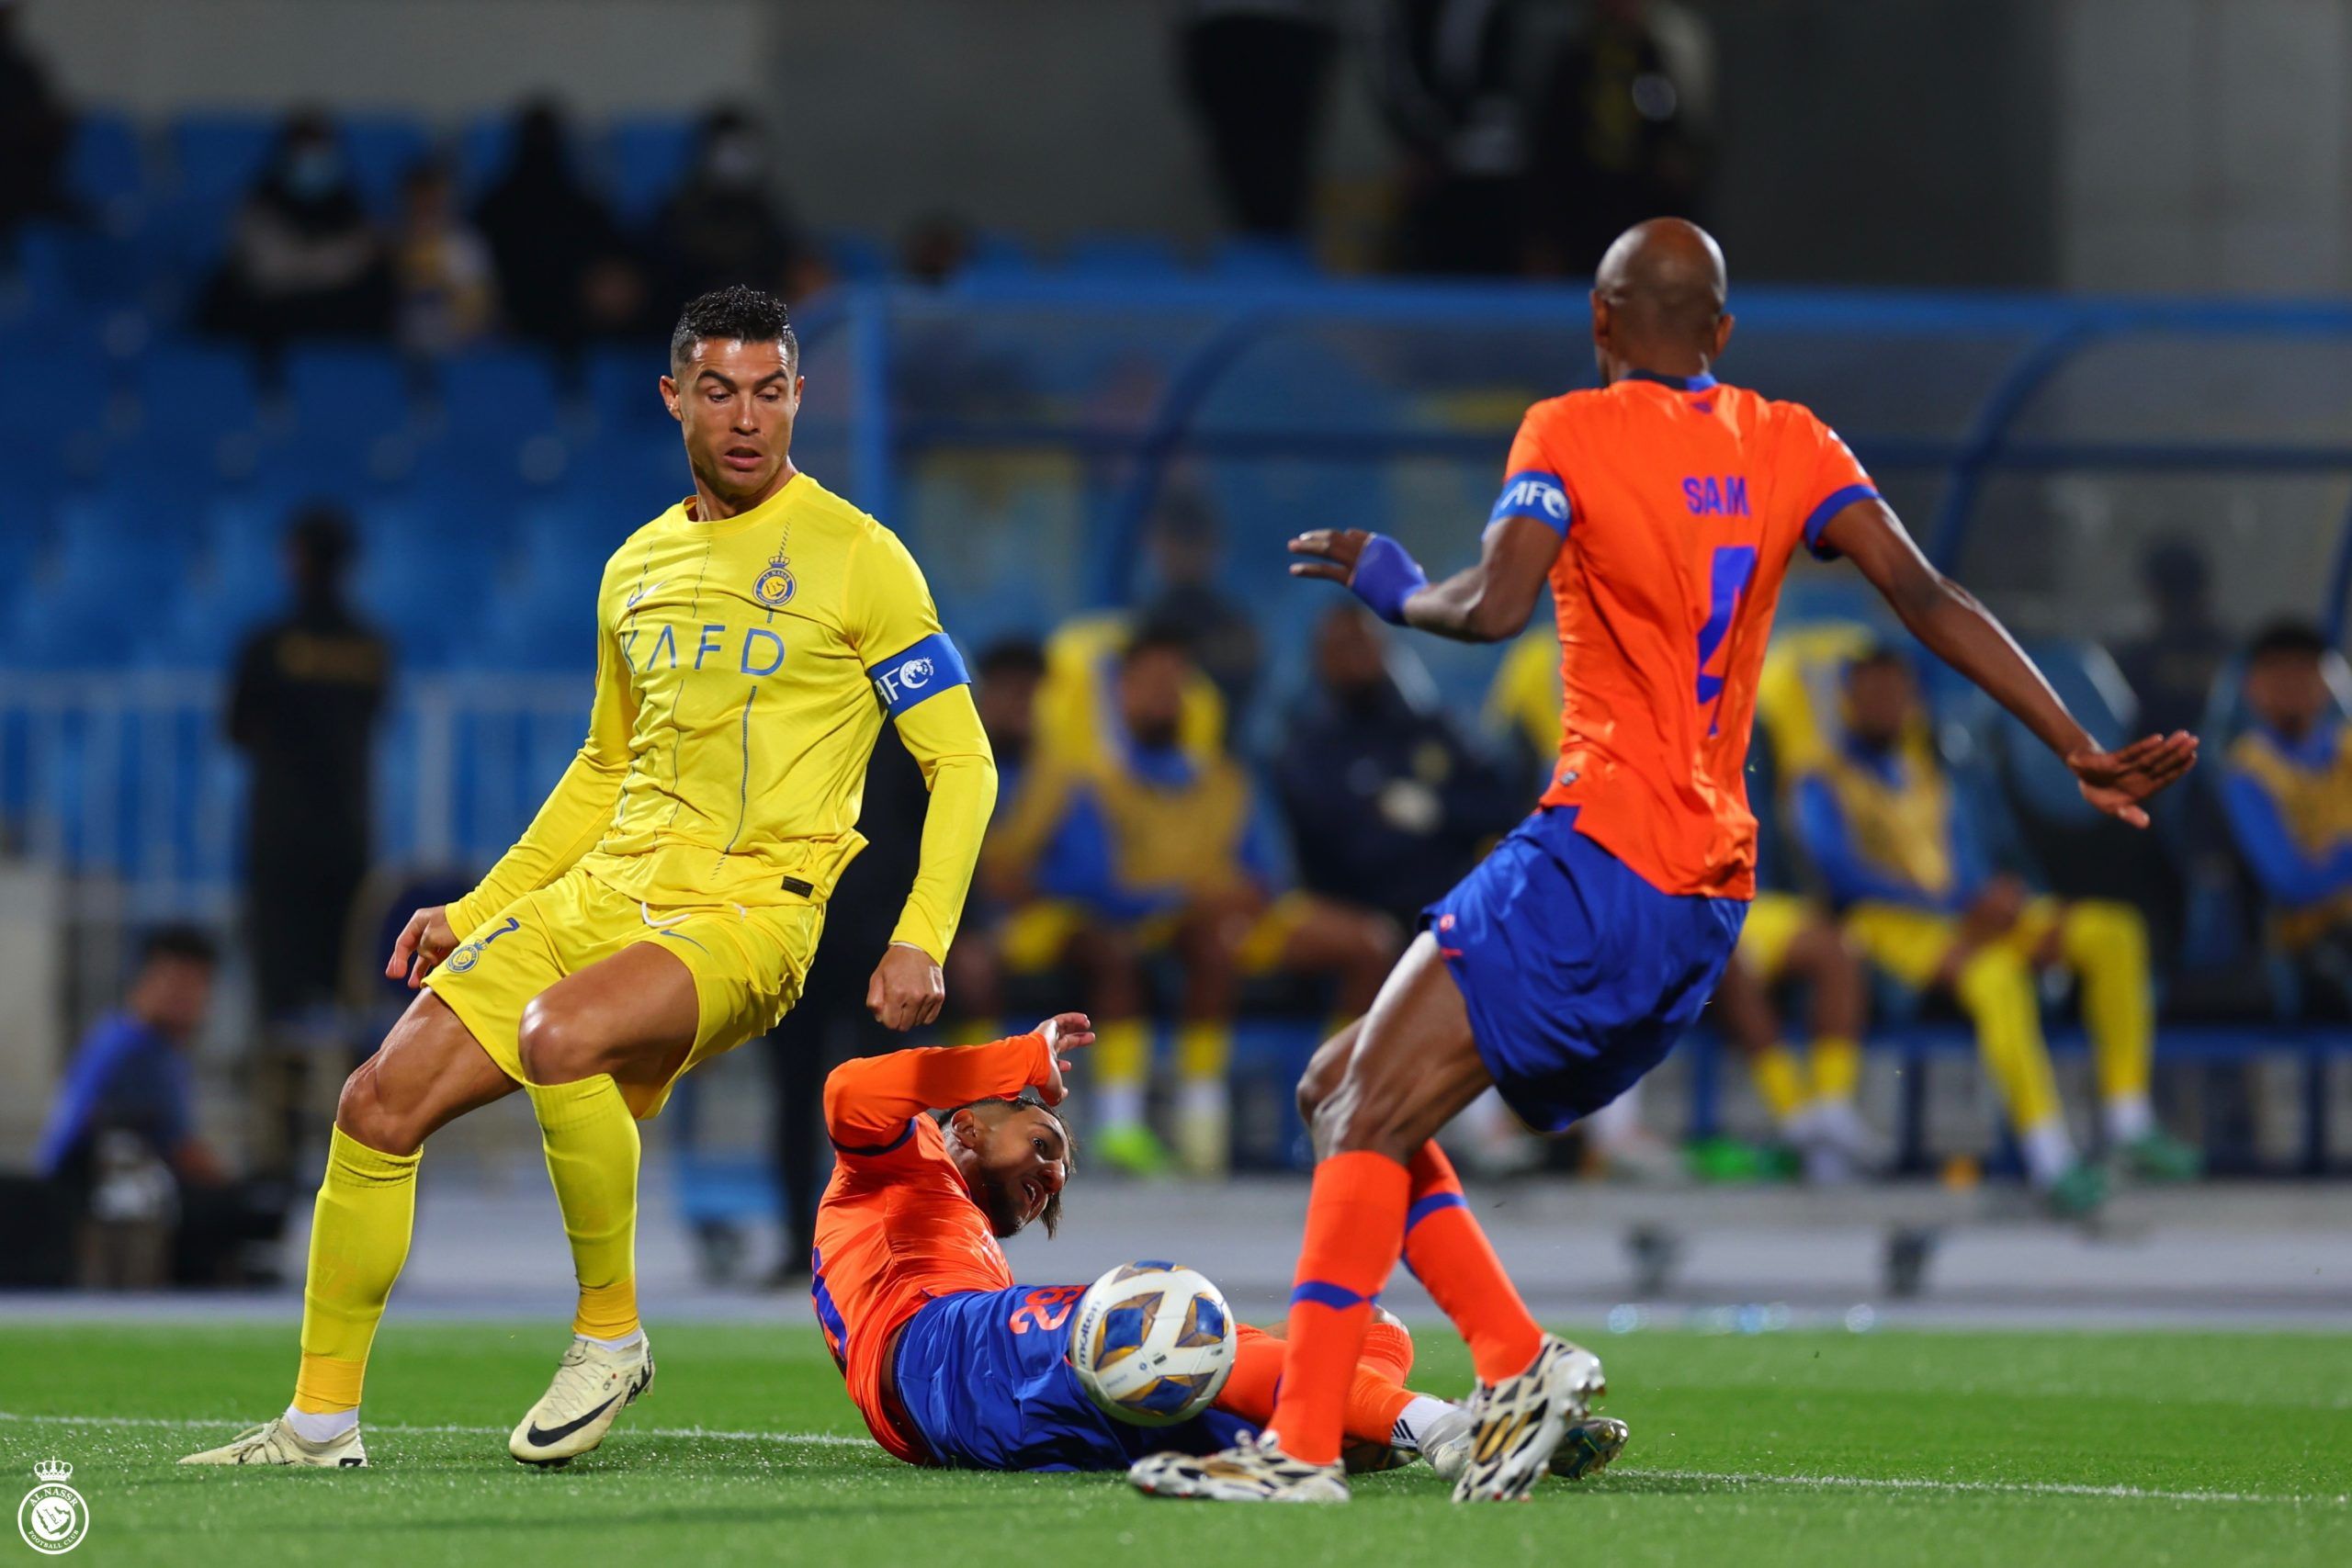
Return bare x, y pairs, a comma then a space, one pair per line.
627, 1341
2130, 1118
1424, 1422
321, 1426
2049, 1151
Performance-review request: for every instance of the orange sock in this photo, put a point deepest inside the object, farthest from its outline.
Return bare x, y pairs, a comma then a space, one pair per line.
1452, 1257
1388, 1350
1355, 1218
1376, 1394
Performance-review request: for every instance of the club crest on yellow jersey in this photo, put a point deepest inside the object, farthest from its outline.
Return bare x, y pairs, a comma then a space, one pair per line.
774, 587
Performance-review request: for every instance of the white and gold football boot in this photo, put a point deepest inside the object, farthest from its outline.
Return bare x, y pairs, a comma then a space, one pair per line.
1523, 1419
592, 1387
276, 1442
1252, 1472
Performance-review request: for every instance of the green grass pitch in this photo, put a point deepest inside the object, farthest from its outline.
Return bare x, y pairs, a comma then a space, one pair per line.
1829, 1448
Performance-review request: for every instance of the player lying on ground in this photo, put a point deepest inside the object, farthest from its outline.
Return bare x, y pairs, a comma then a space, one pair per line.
1663, 508
663, 905
943, 1152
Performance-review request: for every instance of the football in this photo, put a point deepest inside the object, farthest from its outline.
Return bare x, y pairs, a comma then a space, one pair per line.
1152, 1343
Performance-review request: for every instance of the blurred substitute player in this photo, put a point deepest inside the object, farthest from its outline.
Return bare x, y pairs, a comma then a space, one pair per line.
939, 1154
663, 905
1663, 508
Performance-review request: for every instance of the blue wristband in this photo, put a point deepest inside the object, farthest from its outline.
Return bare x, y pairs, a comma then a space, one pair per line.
1385, 576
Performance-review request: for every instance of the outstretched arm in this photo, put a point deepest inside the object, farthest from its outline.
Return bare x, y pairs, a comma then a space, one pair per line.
870, 1100
1964, 635
1488, 603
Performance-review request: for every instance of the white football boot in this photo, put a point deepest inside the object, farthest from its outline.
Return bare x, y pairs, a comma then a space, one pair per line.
275, 1442
1523, 1419
1253, 1473
1588, 1447
592, 1387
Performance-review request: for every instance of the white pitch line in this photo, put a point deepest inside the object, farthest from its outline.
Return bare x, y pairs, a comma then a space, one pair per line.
1712, 1477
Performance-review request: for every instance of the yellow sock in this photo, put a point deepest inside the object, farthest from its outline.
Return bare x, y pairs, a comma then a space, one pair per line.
591, 1149
1996, 990
1836, 1067
360, 1235
1204, 1050
1121, 1056
1778, 1081
2107, 944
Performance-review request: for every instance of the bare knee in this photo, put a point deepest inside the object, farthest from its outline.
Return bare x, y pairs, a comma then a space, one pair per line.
553, 1046
1324, 1071
1357, 1117
363, 1112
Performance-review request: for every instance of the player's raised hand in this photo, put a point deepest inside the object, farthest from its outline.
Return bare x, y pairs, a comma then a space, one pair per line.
1331, 553
1063, 1032
425, 941
2117, 782
907, 990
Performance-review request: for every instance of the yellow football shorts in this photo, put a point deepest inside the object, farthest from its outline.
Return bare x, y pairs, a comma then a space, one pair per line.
1774, 921
1034, 937
747, 966
1911, 945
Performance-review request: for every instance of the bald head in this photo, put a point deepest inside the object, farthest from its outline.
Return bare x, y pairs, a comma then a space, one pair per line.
1658, 300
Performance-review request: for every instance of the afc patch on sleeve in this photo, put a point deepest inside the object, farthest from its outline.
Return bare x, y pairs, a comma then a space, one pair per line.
925, 669
1532, 493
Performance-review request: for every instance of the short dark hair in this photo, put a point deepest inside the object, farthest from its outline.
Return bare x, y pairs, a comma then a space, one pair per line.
1159, 635
1013, 656
190, 943
738, 311
1051, 1216
321, 536
2287, 640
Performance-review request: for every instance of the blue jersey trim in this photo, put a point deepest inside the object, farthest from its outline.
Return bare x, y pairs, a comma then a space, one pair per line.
870, 1150
1837, 500
912, 674
1537, 493
1701, 382
828, 1314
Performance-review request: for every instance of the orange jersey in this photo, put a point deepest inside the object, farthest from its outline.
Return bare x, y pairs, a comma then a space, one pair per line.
897, 1225
1679, 501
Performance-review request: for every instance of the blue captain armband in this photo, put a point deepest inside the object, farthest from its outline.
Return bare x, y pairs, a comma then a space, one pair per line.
927, 669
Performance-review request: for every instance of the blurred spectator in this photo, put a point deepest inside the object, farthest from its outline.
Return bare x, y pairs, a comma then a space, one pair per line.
1620, 131
1789, 940
1185, 551
725, 225
2171, 669
1447, 73
303, 260
444, 277
2288, 792
121, 1139
1257, 72
1386, 805
1523, 707
36, 131
566, 271
937, 247
1894, 844
302, 706
1032, 918
1191, 873
829, 1023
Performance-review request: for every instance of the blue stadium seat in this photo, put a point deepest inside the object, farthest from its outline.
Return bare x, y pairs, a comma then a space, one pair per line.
215, 156
1249, 258
647, 158
107, 163
382, 147
498, 394
1123, 255
348, 394
185, 387
859, 258
545, 621
996, 254
485, 147
623, 391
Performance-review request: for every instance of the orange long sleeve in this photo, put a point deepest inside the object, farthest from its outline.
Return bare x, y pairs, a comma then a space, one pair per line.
869, 1101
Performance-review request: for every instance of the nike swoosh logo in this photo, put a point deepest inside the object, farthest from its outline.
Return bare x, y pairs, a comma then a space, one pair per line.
630, 603
540, 1437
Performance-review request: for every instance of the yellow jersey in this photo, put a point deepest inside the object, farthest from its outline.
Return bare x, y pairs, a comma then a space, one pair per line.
743, 670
